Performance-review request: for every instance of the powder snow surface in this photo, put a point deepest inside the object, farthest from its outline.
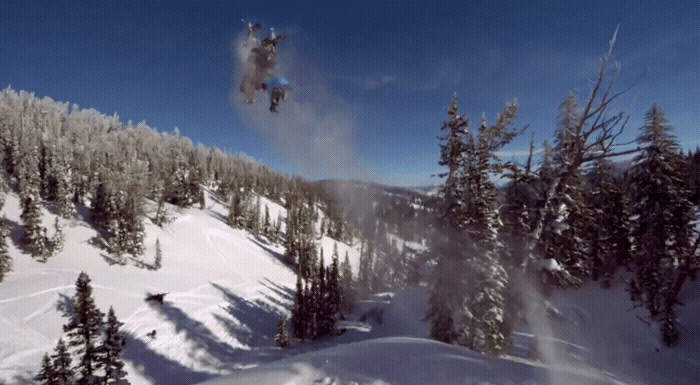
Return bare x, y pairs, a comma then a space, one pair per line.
226, 289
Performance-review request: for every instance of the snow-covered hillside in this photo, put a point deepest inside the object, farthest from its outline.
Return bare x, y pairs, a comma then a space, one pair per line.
226, 289
597, 340
408, 360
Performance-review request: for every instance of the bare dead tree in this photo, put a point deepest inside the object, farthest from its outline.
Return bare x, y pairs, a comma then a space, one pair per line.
597, 130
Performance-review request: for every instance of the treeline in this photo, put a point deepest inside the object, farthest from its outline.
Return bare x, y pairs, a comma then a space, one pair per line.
557, 225
65, 157
395, 210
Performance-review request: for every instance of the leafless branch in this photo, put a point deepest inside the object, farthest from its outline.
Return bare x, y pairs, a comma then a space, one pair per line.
605, 129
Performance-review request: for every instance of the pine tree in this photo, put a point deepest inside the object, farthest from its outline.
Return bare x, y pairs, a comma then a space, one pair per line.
469, 280
282, 337
609, 203
83, 329
101, 208
130, 211
239, 209
444, 299
308, 319
619, 222
62, 364
267, 226
347, 288
299, 312
64, 193
277, 229
663, 229
254, 218
110, 359
313, 303
30, 201
323, 318
157, 264
5, 258
46, 375
58, 237
571, 219
117, 238
334, 291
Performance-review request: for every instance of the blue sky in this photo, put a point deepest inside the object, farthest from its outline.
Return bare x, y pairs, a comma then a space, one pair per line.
375, 77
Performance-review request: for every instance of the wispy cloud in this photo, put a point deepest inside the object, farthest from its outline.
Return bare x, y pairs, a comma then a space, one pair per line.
367, 82
374, 83
442, 73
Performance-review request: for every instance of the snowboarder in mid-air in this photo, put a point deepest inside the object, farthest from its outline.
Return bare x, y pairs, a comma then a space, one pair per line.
259, 62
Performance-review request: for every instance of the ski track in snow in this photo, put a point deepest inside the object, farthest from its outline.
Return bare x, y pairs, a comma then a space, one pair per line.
25, 296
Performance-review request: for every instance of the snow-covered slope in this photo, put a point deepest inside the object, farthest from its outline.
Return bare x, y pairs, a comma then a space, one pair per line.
408, 360
598, 340
225, 289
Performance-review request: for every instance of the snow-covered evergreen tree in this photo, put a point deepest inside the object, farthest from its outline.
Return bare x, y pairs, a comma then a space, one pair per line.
469, 281
254, 216
111, 351
664, 215
58, 237
277, 229
158, 262
30, 201
347, 291
267, 230
238, 209
446, 289
83, 329
282, 337
64, 191
334, 290
324, 320
311, 295
485, 307
46, 375
610, 245
5, 258
299, 311
62, 364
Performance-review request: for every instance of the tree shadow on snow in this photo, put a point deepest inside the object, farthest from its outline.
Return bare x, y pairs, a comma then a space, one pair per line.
197, 333
286, 294
258, 320
263, 244
17, 235
65, 305
218, 216
282, 291
109, 259
158, 368
254, 323
258, 324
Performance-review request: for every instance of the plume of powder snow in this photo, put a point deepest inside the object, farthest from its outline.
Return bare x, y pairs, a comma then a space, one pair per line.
315, 128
